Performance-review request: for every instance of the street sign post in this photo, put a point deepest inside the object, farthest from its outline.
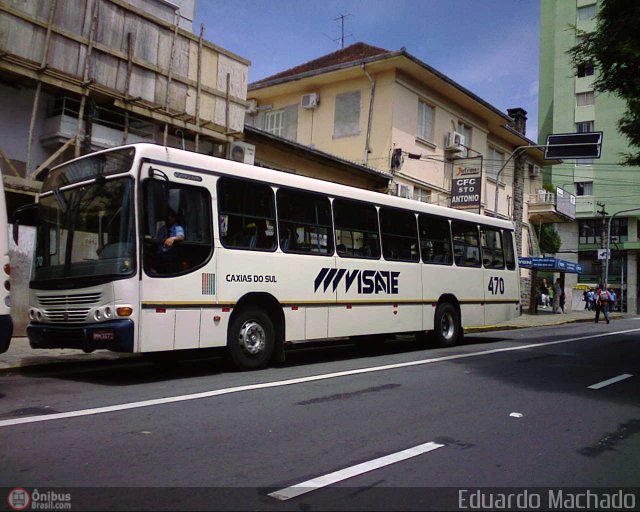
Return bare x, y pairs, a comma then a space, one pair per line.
573, 145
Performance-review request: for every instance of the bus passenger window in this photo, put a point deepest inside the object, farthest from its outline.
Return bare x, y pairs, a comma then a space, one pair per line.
356, 229
399, 235
246, 215
435, 240
466, 244
304, 222
492, 254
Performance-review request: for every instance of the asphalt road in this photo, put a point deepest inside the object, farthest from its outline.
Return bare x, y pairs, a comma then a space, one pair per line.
402, 428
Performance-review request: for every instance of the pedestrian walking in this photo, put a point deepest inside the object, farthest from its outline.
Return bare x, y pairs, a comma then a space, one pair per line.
602, 303
544, 293
612, 299
591, 299
557, 297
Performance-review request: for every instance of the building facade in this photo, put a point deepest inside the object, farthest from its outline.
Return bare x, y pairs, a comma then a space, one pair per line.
603, 188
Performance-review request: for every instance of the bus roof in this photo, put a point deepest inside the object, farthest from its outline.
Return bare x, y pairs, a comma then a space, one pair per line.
197, 162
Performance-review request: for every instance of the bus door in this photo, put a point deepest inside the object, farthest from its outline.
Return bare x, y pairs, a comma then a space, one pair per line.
468, 280
501, 285
178, 284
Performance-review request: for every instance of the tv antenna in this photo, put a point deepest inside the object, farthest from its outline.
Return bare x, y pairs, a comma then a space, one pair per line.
342, 36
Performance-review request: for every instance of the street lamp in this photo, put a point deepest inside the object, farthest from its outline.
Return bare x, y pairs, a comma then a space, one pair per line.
606, 265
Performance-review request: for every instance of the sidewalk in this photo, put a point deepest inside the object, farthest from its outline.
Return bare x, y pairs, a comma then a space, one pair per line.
21, 355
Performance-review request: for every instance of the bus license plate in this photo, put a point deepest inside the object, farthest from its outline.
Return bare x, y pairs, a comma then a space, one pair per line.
103, 335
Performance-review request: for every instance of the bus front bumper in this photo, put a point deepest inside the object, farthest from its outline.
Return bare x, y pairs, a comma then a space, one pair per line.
6, 331
115, 335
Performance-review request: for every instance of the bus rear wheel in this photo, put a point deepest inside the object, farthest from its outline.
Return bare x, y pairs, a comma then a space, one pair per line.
447, 328
251, 340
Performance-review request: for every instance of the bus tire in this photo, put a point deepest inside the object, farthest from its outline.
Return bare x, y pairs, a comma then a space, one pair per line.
251, 340
447, 328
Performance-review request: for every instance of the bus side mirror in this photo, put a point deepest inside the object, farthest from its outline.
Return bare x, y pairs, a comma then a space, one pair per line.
26, 215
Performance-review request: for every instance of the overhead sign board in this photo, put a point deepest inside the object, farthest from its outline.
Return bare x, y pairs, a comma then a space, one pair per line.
466, 187
573, 145
550, 264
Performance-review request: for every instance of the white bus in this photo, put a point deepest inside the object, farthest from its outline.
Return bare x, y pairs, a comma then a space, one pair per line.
263, 259
6, 325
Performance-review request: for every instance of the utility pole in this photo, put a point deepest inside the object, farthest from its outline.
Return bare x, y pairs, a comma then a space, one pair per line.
604, 242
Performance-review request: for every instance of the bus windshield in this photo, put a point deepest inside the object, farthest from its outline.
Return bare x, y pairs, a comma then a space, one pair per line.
86, 232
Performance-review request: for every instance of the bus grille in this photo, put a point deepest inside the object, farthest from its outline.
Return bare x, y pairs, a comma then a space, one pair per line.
78, 299
67, 316
68, 309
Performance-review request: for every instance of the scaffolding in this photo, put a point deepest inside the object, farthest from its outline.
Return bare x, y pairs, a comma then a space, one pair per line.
102, 56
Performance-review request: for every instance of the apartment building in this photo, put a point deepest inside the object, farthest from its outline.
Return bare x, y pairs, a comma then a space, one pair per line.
602, 187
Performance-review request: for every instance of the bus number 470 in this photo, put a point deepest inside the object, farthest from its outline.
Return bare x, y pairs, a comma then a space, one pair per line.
496, 285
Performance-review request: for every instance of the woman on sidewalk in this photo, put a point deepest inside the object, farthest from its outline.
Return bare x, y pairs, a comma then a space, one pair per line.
602, 303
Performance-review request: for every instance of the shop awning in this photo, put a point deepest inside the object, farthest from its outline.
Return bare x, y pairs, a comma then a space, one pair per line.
550, 265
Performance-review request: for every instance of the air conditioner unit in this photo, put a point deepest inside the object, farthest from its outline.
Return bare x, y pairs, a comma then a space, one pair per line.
310, 101
534, 171
455, 142
252, 107
242, 152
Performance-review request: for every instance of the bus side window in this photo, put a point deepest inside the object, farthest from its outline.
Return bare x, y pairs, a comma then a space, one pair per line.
356, 229
399, 235
246, 215
492, 254
304, 222
435, 240
466, 244
510, 259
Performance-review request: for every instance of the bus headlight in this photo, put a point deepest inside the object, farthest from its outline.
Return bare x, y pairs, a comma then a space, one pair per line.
39, 316
32, 314
7, 285
7, 269
97, 315
108, 312
124, 311
7, 301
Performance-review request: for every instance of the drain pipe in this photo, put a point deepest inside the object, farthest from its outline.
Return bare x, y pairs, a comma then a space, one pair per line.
367, 147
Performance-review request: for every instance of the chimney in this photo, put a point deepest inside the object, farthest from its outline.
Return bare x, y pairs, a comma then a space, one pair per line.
519, 117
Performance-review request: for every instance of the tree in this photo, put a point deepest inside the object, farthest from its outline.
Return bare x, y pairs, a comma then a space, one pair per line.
614, 49
549, 239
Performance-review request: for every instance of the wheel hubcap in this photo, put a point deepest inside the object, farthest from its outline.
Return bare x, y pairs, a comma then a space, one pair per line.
447, 326
252, 337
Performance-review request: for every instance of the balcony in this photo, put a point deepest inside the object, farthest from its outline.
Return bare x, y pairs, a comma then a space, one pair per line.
546, 207
107, 130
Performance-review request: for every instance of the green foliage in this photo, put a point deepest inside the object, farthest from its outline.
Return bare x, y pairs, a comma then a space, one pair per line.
614, 49
549, 239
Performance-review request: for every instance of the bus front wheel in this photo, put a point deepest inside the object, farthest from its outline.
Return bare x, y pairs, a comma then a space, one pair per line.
447, 328
251, 340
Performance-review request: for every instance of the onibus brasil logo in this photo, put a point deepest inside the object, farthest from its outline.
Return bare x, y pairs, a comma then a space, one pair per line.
21, 499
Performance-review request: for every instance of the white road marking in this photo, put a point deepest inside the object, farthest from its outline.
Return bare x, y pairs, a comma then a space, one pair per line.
289, 382
358, 469
608, 382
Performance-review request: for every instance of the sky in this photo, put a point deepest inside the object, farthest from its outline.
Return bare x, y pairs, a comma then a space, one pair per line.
490, 47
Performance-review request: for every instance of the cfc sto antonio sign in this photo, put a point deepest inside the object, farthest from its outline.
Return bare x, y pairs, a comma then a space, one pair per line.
466, 188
